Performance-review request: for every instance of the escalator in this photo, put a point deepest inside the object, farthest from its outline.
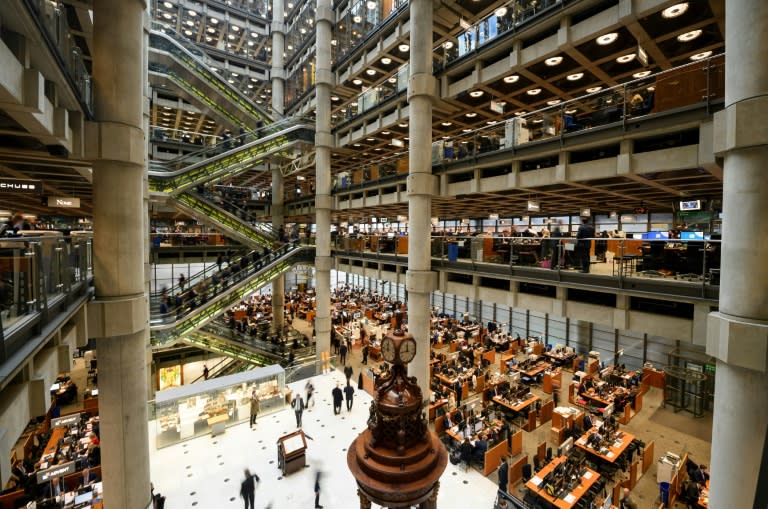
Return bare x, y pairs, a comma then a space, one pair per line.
184, 64
165, 329
232, 349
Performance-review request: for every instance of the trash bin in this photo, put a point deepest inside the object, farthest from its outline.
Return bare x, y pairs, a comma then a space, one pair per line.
664, 493
453, 252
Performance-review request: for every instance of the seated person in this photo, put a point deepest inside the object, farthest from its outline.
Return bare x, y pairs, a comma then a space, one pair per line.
700, 475
692, 492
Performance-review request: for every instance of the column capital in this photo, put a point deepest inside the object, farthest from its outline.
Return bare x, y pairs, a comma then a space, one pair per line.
114, 317
422, 84
420, 281
324, 263
738, 341
424, 184
324, 13
323, 201
740, 125
323, 139
101, 143
277, 26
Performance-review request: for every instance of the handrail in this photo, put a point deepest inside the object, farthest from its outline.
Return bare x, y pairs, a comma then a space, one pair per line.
248, 218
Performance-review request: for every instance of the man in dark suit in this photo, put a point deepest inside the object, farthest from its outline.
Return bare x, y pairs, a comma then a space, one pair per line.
503, 474
586, 231
248, 489
338, 398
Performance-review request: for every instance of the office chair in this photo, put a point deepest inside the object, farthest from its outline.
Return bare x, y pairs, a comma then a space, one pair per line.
527, 472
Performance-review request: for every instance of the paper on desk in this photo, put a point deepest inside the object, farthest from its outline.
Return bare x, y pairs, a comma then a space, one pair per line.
587, 475
536, 480
570, 498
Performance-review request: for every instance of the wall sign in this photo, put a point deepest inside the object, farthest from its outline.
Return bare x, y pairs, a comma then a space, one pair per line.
55, 471
64, 202
20, 186
67, 420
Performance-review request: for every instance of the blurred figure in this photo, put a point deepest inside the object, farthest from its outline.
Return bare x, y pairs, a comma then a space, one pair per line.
248, 489
317, 491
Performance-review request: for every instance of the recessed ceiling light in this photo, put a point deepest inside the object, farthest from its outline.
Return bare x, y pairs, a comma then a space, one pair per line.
553, 102
534, 91
446, 124
357, 18
168, 5
392, 79
192, 13
511, 79
490, 122
167, 16
466, 130
254, 34
641, 74
675, 11
353, 104
370, 4
607, 39
385, 133
190, 23
471, 114
334, 98
211, 30
370, 139
188, 32
403, 47
476, 93
700, 56
570, 112
403, 124
386, 60
624, 59
232, 36
689, 36
448, 44
370, 72
553, 61
592, 90
521, 112
356, 145
501, 11
575, 76
357, 81
231, 81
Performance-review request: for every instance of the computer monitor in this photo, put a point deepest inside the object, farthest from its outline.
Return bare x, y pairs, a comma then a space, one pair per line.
608, 411
691, 235
83, 498
566, 446
478, 427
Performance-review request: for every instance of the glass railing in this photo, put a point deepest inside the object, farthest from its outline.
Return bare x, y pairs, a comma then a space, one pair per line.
237, 211
690, 259
361, 19
198, 305
176, 270
36, 270
392, 86
52, 15
260, 337
193, 58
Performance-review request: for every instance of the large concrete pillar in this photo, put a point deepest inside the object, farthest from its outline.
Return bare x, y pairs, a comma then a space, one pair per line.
118, 317
278, 220
323, 200
738, 333
420, 281
278, 47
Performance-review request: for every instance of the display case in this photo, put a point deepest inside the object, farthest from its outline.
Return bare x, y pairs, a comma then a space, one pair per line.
210, 406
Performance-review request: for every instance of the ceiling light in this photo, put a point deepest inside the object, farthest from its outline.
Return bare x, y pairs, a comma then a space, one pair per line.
641, 74
675, 11
607, 39
357, 81
570, 112
575, 76
167, 16
403, 47
334, 98
385, 133
386, 60
403, 124
234, 74
353, 104
357, 19
553, 102
624, 59
534, 91
213, 20
466, 130
553, 61
168, 5
370, 139
188, 32
235, 28
392, 80
254, 34
211, 30
370, 4
689, 36
476, 93
231, 36
511, 79
700, 56
231, 81
370, 72
192, 13
471, 114
190, 23
521, 112
592, 90
490, 122
446, 124
448, 44
501, 11
356, 145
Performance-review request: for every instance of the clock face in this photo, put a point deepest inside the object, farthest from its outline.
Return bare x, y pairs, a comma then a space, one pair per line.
388, 350
407, 350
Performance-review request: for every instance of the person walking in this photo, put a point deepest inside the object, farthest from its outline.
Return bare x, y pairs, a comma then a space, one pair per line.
349, 394
182, 281
219, 261
583, 235
343, 353
338, 397
317, 491
348, 373
503, 474
310, 390
298, 408
248, 489
365, 354
205, 372
255, 407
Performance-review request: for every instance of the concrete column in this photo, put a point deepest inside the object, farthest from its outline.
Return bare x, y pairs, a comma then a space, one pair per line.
278, 220
323, 199
420, 281
118, 317
278, 47
738, 334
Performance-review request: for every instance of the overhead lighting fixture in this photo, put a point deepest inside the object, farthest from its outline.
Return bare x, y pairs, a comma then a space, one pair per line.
370, 72
356, 145
357, 81
370, 4
190, 23
501, 11
448, 44
625, 59
334, 98
235, 28
446, 124
553, 102
553, 61
575, 76
192, 13
471, 114
476, 93
675, 11
403, 47
211, 30
403, 124
534, 91
511, 79
357, 18
641, 74
592, 90
490, 122
385, 133
570, 112
689, 36
386, 60
519, 113
167, 16
168, 5
700, 56
370, 139
188, 32
607, 39
466, 130
254, 34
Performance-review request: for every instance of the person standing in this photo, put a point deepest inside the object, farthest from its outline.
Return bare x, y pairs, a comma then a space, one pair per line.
248, 489
298, 408
348, 373
338, 397
310, 390
219, 261
317, 491
583, 235
343, 353
182, 281
349, 394
365, 354
205, 372
255, 407
503, 474
458, 388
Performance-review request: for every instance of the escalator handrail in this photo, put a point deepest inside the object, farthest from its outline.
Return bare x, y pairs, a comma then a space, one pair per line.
251, 220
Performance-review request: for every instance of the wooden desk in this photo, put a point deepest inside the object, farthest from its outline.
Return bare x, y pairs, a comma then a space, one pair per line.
53, 443
704, 496
514, 406
585, 482
434, 406
615, 449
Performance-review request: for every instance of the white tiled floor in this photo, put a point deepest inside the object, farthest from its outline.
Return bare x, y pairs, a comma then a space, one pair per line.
206, 472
